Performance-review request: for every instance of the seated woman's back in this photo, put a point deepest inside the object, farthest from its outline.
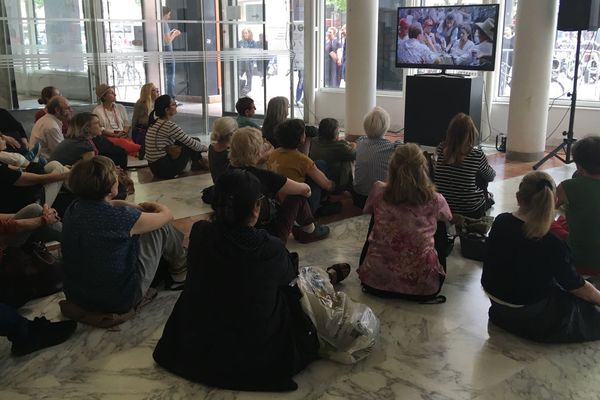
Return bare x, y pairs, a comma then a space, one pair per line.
519, 270
233, 326
401, 256
462, 171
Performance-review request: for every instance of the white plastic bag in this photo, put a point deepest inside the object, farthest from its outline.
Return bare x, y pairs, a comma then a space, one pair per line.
347, 330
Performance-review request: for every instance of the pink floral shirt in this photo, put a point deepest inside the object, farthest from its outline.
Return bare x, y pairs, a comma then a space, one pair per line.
401, 257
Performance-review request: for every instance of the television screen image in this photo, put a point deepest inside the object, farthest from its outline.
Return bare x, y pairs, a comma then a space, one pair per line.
452, 37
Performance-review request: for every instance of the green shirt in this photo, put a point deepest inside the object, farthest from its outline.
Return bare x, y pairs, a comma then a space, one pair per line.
583, 218
339, 155
245, 121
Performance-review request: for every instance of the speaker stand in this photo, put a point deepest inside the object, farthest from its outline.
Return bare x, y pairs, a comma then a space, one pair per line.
569, 139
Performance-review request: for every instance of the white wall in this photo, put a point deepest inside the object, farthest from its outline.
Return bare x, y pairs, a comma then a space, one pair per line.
330, 103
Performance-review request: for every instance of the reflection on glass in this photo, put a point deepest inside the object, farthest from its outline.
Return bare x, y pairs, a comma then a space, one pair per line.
123, 39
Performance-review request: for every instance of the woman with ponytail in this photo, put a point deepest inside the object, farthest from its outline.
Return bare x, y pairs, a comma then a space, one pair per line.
400, 258
168, 149
529, 274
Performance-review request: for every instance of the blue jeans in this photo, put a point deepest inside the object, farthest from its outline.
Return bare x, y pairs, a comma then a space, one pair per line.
170, 76
316, 191
12, 324
300, 85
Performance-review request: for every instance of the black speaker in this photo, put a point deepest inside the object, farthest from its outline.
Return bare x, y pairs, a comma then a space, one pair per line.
431, 101
579, 15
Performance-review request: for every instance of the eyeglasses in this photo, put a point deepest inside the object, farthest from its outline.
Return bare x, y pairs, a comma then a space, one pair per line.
173, 104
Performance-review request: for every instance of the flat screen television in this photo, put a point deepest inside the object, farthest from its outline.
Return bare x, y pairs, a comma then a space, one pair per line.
449, 37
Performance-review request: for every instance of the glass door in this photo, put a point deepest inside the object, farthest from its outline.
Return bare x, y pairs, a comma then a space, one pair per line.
123, 32
256, 49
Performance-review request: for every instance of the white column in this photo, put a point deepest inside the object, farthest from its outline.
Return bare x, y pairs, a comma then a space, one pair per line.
532, 65
361, 63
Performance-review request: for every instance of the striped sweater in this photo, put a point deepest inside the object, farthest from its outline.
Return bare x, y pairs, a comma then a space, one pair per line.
164, 133
457, 182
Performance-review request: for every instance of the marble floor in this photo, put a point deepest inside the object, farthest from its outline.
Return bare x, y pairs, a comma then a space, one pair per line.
444, 351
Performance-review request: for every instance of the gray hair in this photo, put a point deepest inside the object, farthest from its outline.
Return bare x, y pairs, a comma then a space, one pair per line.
376, 123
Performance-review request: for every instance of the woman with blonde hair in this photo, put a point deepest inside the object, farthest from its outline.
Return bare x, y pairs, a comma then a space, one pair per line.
285, 206
400, 258
78, 144
529, 273
462, 171
218, 151
141, 114
277, 112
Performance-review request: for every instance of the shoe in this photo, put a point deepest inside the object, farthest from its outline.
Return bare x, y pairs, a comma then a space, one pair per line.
338, 272
320, 233
42, 334
33, 154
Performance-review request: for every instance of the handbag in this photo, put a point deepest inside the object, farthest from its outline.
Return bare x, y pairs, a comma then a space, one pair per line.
473, 233
29, 272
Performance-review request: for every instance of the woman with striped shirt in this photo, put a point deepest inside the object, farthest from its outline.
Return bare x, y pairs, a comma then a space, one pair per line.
168, 148
462, 172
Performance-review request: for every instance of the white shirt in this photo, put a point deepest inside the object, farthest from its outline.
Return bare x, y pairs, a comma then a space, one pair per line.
414, 52
48, 132
462, 56
115, 119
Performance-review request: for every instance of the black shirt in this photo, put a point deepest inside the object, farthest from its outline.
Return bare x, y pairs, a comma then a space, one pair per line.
218, 162
14, 198
10, 126
524, 271
270, 182
232, 326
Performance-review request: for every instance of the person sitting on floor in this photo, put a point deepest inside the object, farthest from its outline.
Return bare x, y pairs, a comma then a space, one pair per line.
285, 207
20, 236
277, 113
78, 144
12, 131
581, 199
245, 108
288, 161
141, 115
218, 151
112, 248
258, 337
462, 172
373, 154
338, 154
114, 119
28, 336
168, 149
529, 273
20, 188
400, 258
48, 130
47, 93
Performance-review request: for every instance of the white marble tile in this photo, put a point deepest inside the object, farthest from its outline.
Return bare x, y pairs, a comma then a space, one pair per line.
181, 195
444, 351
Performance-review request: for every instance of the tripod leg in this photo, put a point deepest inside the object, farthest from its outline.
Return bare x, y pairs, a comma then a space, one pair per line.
553, 153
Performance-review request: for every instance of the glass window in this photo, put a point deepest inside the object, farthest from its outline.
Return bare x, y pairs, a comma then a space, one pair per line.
48, 48
334, 61
123, 40
563, 61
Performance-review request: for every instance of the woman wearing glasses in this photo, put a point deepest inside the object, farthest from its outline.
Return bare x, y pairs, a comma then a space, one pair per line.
168, 148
